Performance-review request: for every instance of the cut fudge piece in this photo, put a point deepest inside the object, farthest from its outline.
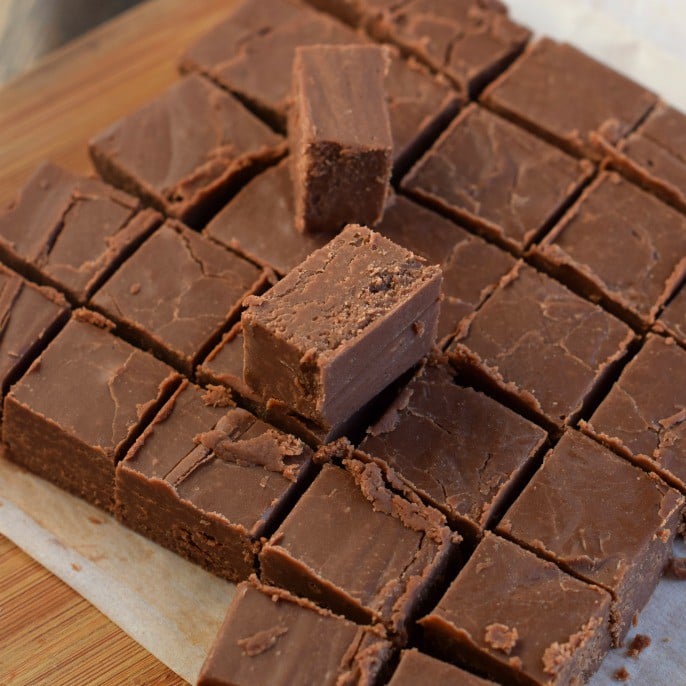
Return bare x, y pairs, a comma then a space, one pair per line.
564, 95
340, 155
464, 453
81, 405
416, 668
644, 415
324, 352
271, 638
601, 519
361, 13
498, 178
520, 619
673, 318
71, 232
471, 267
177, 293
186, 151
355, 546
207, 480
541, 347
30, 316
621, 246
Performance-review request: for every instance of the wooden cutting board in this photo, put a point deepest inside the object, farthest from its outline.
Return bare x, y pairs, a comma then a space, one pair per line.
49, 636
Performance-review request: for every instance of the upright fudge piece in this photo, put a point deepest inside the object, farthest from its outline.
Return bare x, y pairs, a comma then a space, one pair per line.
30, 316
621, 246
673, 318
81, 405
416, 668
177, 293
520, 619
565, 96
324, 352
503, 181
644, 415
270, 638
186, 151
541, 347
71, 232
601, 519
355, 546
208, 480
464, 453
341, 155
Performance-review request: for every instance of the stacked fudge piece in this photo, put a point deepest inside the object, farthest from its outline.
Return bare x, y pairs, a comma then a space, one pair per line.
378, 312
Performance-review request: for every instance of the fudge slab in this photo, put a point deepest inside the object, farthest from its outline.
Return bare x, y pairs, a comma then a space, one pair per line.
461, 451
81, 404
520, 619
71, 232
621, 246
353, 317
565, 96
341, 155
207, 480
187, 151
271, 638
541, 347
30, 316
644, 415
601, 519
673, 318
177, 293
503, 181
358, 548
471, 267
416, 668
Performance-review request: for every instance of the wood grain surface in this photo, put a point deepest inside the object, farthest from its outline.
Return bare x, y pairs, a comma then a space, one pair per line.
50, 636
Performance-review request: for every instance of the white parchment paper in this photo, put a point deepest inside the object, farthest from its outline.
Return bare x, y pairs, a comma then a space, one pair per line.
174, 608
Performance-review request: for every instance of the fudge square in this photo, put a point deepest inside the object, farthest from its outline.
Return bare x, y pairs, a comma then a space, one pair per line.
340, 155
541, 347
186, 151
80, 406
177, 293
673, 318
520, 619
601, 519
338, 329
565, 96
358, 548
621, 246
71, 232
462, 452
271, 638
207, 479
416, 668
643, 416
502, 180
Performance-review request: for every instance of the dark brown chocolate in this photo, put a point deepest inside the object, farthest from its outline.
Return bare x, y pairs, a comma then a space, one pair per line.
416, 668
673, 319
601, 519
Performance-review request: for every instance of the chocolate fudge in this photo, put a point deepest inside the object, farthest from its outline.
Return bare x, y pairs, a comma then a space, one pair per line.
71, 232
271, 638
80, 406
471, 267
207, 480
499, 179
177, 293
520, 619
565, 96
416, 668
461, 451
324, 551
621, 246
30, 316
673, 318
541, 347
340, 155
644, 415
601, 519
325, 351
187, 151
